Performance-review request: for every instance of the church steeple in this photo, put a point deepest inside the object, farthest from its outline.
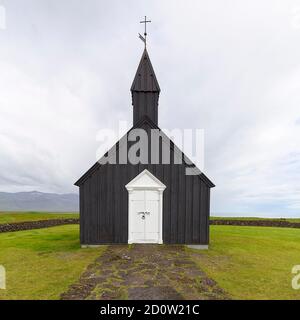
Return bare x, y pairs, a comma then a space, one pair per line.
145, 91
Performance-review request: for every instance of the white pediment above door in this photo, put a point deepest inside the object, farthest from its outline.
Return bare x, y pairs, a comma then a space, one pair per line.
145, 180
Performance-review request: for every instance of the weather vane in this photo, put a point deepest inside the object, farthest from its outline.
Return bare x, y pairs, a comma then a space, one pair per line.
144, 39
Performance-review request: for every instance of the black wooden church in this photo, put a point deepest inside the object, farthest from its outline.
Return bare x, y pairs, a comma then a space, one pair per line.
144, 202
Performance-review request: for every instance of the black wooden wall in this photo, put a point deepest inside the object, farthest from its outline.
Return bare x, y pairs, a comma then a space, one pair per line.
104, 204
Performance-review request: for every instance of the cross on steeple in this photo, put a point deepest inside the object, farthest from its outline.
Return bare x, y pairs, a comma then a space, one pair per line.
144, 39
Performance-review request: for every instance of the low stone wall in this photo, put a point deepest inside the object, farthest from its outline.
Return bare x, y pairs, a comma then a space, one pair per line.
257, 223
27, 225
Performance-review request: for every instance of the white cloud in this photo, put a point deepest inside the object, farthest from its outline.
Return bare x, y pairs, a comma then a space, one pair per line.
230, 67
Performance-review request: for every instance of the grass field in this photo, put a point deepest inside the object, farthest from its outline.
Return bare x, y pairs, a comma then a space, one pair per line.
247, 262
252, 262
10, 217
42, 263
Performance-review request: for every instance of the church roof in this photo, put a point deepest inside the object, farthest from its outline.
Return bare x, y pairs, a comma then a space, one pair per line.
146, 120
145, 79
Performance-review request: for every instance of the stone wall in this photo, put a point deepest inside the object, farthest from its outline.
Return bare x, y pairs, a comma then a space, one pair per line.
27, 225
258, 223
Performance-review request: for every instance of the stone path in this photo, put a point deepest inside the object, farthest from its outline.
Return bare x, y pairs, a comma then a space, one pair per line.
144, 272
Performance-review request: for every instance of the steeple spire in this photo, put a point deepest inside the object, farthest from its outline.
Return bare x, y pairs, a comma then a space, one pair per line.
145, 91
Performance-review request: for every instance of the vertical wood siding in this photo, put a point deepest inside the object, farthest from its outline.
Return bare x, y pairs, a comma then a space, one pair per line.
104, 204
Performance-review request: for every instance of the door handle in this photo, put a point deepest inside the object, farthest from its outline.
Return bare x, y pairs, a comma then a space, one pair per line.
143, 214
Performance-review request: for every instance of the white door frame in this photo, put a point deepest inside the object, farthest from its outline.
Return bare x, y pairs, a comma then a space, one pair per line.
140, 183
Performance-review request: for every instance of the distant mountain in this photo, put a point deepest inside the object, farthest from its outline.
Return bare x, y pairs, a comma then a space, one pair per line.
38, 201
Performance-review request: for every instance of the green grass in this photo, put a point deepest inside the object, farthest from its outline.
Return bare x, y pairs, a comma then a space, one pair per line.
252, 262
11, 217
42, 263
247, 262
255, 218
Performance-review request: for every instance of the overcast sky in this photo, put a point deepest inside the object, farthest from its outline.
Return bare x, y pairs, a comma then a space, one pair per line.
229, 67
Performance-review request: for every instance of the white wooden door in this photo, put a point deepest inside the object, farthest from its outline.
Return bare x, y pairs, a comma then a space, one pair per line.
144, 216
137, 216
151, 217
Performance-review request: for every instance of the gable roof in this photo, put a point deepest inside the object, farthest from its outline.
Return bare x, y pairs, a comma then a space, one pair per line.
146, 120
